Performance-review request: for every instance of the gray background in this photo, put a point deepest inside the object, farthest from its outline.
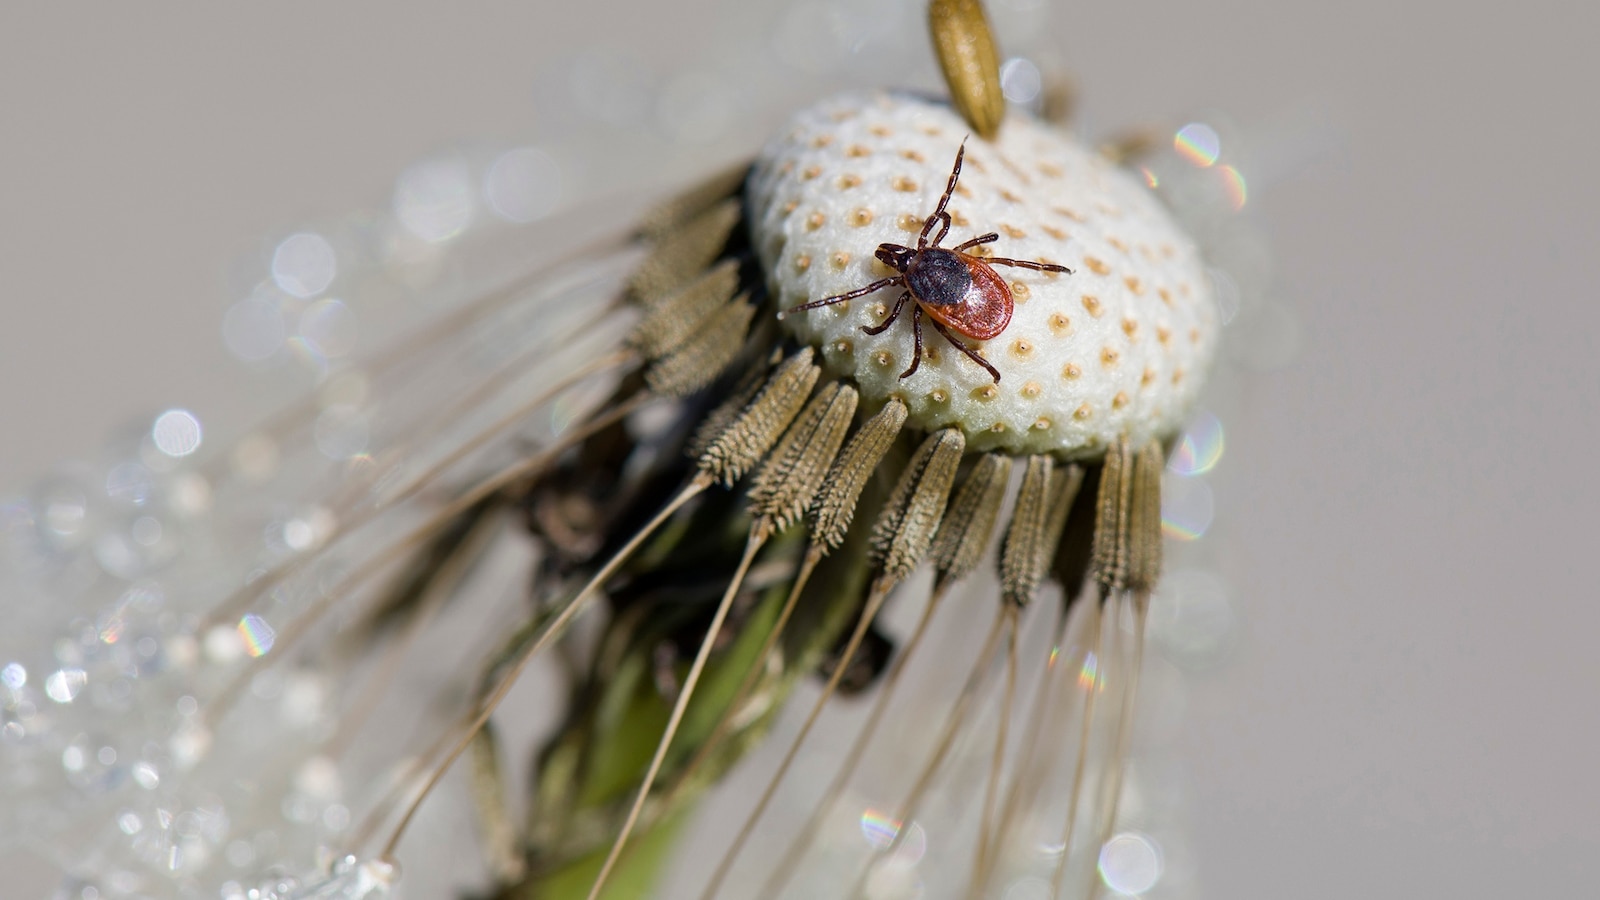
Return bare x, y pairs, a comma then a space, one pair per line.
1411, 710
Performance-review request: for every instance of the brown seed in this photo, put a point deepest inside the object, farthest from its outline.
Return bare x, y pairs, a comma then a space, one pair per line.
969, 523
911, 517
965, 47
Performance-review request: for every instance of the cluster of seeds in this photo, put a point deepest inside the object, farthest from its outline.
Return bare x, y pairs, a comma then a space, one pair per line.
1120, 346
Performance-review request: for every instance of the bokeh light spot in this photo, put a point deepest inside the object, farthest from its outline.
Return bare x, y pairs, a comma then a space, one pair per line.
64, 685
176, 433
329, 328
1187, 507
434, 200
304, 264
523, 185
879, 828
1020, 80
1234, 185
1130, 864
257, 635
1200, 448
1198, 143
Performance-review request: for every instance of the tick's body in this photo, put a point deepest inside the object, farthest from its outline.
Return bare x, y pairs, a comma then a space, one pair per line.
958, 291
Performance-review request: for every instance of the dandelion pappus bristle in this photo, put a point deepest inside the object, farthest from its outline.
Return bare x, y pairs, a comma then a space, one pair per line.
678, 317
682, 253
698, 361
969, 523
747, 438
787, 485
835, 506
907, 525
1026, 553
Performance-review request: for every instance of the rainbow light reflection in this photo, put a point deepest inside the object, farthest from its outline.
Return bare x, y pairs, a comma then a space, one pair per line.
879, 828
1198, 143
1200, 449
1186, 508
1087, 674
1233, 183
258, 635
1150, 178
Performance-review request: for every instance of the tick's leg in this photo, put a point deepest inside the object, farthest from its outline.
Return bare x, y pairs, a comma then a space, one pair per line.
989, 238
916, 342
971, 353
1026, 264
938, 212
941, 216
840, 298
894, 314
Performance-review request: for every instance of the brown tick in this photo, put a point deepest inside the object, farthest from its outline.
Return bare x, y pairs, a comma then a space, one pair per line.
957, 290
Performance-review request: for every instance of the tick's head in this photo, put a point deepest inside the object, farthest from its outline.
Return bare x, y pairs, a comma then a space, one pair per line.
895, 256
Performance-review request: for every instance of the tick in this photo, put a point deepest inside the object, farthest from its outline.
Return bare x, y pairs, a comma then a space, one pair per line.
959, 292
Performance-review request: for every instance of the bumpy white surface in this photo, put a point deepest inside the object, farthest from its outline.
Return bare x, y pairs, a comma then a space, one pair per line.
1120, 345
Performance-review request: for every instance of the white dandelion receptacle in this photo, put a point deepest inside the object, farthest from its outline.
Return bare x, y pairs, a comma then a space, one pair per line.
1120, 346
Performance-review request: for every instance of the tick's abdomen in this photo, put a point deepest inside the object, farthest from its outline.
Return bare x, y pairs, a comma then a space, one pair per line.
940, 278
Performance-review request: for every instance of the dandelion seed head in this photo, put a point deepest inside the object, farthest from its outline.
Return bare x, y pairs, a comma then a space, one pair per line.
1091, 218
